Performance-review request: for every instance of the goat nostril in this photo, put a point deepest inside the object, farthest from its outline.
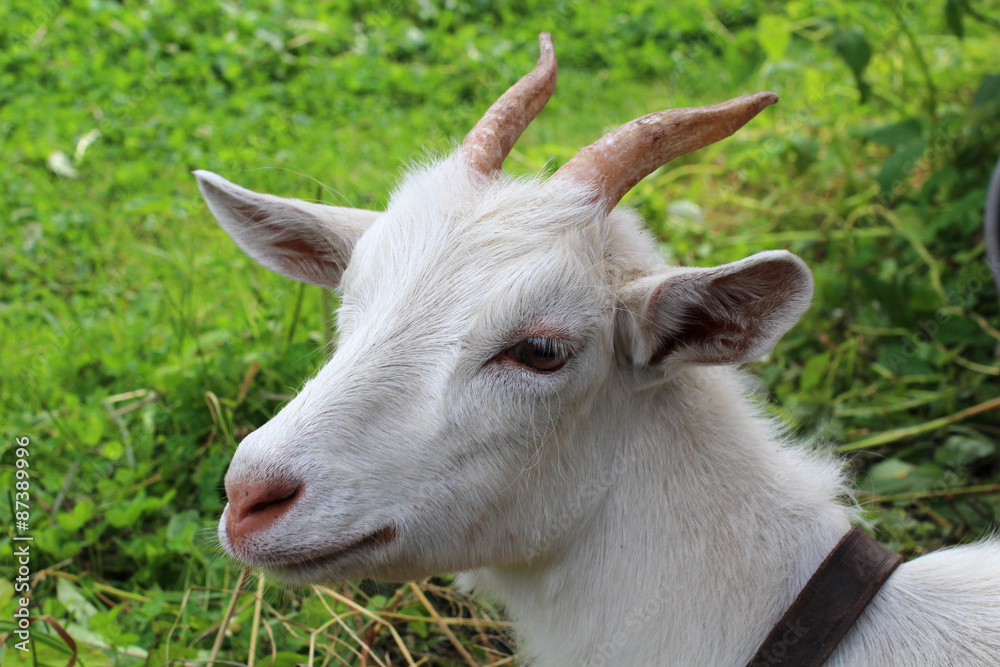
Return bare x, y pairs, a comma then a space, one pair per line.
274, 503
254, 507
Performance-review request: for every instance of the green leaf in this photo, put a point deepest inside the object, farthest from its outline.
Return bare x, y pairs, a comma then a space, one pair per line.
73, 521
79, 607
814, 370
896, 135
419, 628
176, 651
53, 542
181, 530
989, 91
953, 17
900, 166
121, 517
774, 35
105, 623
806, 151
895, 476
286, 659
961, 450
6, 591
743, 57
92, 429
853, 47
113, 450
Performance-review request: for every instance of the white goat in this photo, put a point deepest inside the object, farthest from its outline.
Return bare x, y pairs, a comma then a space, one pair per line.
524, 392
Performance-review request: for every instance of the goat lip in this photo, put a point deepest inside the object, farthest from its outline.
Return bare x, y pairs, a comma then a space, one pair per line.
367, 542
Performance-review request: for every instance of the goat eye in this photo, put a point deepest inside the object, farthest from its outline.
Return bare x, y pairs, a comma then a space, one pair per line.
541, 354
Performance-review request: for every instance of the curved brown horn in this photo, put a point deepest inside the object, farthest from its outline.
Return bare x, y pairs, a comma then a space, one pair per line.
623, 157
489, 142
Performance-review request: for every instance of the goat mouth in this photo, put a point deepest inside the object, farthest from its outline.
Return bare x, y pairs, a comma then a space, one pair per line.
373, 540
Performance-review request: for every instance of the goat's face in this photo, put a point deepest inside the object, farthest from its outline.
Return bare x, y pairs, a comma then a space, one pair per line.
471, 328
486, 325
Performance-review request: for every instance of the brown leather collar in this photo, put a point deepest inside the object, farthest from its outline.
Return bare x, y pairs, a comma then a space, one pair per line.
832, 600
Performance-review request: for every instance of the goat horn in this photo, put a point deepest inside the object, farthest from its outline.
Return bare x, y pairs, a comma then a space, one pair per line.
489, 142
623, 157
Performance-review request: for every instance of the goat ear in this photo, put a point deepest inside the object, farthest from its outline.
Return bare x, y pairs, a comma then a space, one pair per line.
307, 242
729, 314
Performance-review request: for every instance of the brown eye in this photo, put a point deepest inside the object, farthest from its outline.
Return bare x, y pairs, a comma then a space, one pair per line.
541, 354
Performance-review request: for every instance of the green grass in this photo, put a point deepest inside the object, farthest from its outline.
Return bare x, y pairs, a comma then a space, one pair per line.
138, 344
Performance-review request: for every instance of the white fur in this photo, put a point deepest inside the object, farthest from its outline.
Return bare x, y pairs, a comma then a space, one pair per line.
624, 512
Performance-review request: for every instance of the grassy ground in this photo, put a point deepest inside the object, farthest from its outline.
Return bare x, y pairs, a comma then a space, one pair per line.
138, 344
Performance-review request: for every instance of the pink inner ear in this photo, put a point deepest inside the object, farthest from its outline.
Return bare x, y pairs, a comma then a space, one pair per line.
763, 288
721, 316
302, 254
697, 324
308, 254
249, 211
298, 246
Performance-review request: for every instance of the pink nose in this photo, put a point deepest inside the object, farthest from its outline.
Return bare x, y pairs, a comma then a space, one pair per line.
255, 506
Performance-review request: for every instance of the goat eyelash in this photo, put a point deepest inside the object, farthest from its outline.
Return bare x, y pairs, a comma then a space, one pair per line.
542, 355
